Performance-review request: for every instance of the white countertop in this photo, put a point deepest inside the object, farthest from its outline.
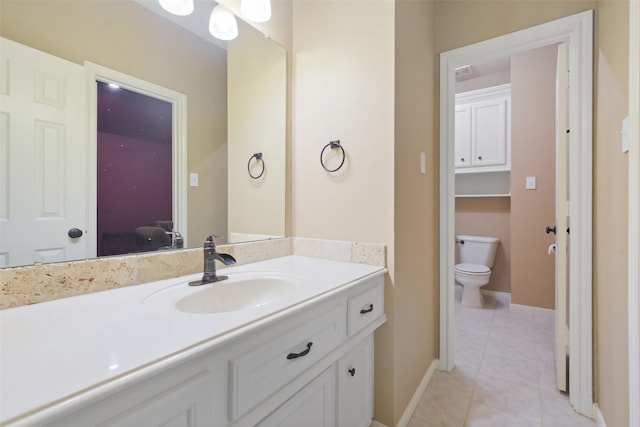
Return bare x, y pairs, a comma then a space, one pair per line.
53, 351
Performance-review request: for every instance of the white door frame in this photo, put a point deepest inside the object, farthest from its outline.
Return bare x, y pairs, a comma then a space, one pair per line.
634, 213
95, 72
577, 32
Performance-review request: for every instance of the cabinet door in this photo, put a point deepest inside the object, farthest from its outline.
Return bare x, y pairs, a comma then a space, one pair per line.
463, 136
313, 406
186, 405
355, 382
155, 403
489, 125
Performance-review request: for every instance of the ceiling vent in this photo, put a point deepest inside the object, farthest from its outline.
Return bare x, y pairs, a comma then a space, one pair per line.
463, 72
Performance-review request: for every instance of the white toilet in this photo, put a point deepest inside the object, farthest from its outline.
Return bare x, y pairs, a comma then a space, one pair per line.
475, 256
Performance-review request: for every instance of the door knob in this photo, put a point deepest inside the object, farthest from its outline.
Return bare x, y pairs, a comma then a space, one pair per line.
74, 233
551, 230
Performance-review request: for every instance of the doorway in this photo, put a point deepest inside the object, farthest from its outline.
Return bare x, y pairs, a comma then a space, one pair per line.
134, 171
171, 103
576, 32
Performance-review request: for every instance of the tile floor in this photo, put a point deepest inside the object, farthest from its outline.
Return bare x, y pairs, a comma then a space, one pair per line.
504, 374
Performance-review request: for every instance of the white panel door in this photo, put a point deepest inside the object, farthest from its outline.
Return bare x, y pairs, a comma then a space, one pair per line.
43, 166
562, 215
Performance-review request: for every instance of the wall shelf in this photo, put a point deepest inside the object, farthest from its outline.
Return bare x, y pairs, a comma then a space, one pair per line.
483, 184
467, 196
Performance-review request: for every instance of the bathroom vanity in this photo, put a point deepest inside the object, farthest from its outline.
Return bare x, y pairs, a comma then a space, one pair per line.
287, 341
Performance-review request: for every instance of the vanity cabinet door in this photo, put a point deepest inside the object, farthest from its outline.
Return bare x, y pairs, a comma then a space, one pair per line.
186, 402
260, 366
355, 386
313, 406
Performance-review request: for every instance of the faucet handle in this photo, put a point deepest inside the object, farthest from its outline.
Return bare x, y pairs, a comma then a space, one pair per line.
210, 241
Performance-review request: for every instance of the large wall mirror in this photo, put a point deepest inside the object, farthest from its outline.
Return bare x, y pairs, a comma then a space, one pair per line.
235, 120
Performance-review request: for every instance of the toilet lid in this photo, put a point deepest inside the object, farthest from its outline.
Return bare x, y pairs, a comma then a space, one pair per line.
473, 268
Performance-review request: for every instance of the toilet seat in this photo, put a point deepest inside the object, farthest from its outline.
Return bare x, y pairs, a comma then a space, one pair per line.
472, 269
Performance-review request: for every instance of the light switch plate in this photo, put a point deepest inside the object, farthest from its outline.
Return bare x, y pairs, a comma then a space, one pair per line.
423, 163
625, 135
193, 179
531, 183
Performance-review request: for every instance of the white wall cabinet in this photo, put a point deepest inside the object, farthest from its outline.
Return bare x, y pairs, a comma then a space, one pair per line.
483, 130
310, 367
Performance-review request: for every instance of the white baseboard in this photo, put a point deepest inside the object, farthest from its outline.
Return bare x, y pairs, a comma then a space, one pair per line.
505, 297
530, 309
415, 399
598, 415
375, 423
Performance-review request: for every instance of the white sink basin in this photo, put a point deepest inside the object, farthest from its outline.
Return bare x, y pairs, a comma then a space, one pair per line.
239, 294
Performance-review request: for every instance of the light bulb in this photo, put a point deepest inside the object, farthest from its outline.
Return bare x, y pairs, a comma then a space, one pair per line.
177, 7
256, 10
222, 24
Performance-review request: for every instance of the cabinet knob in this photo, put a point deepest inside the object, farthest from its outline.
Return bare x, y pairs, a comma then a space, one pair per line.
462, 159
479, 157
352, 371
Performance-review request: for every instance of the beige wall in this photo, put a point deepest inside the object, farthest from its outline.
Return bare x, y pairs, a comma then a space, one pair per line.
610, 215
533, 142
343, 88
489, 216
415, 300
129, 38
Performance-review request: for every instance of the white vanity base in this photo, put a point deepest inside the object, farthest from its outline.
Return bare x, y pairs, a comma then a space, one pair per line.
307, 364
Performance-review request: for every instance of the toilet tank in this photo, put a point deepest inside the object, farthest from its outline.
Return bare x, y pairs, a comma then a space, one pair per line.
476, 249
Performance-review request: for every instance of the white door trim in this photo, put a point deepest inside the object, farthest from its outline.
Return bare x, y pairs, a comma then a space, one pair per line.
179, 127
634, 213
577, 32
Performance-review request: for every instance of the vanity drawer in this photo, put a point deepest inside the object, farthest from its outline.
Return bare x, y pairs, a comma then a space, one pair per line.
365, 307
259, 371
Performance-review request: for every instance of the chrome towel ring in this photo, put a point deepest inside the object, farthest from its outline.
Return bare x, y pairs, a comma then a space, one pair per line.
258, 157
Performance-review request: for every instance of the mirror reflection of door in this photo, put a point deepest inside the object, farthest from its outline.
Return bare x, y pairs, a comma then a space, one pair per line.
134, 171
42, 158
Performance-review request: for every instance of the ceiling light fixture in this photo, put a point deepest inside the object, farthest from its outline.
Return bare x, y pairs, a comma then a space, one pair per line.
256, 10
177, 7
222, 23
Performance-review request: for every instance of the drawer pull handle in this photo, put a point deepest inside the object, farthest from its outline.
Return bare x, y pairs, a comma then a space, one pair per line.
352, 371
367, 310
302, 353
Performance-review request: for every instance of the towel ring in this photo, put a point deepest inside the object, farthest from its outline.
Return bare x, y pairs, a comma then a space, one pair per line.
333, 145
257, 156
